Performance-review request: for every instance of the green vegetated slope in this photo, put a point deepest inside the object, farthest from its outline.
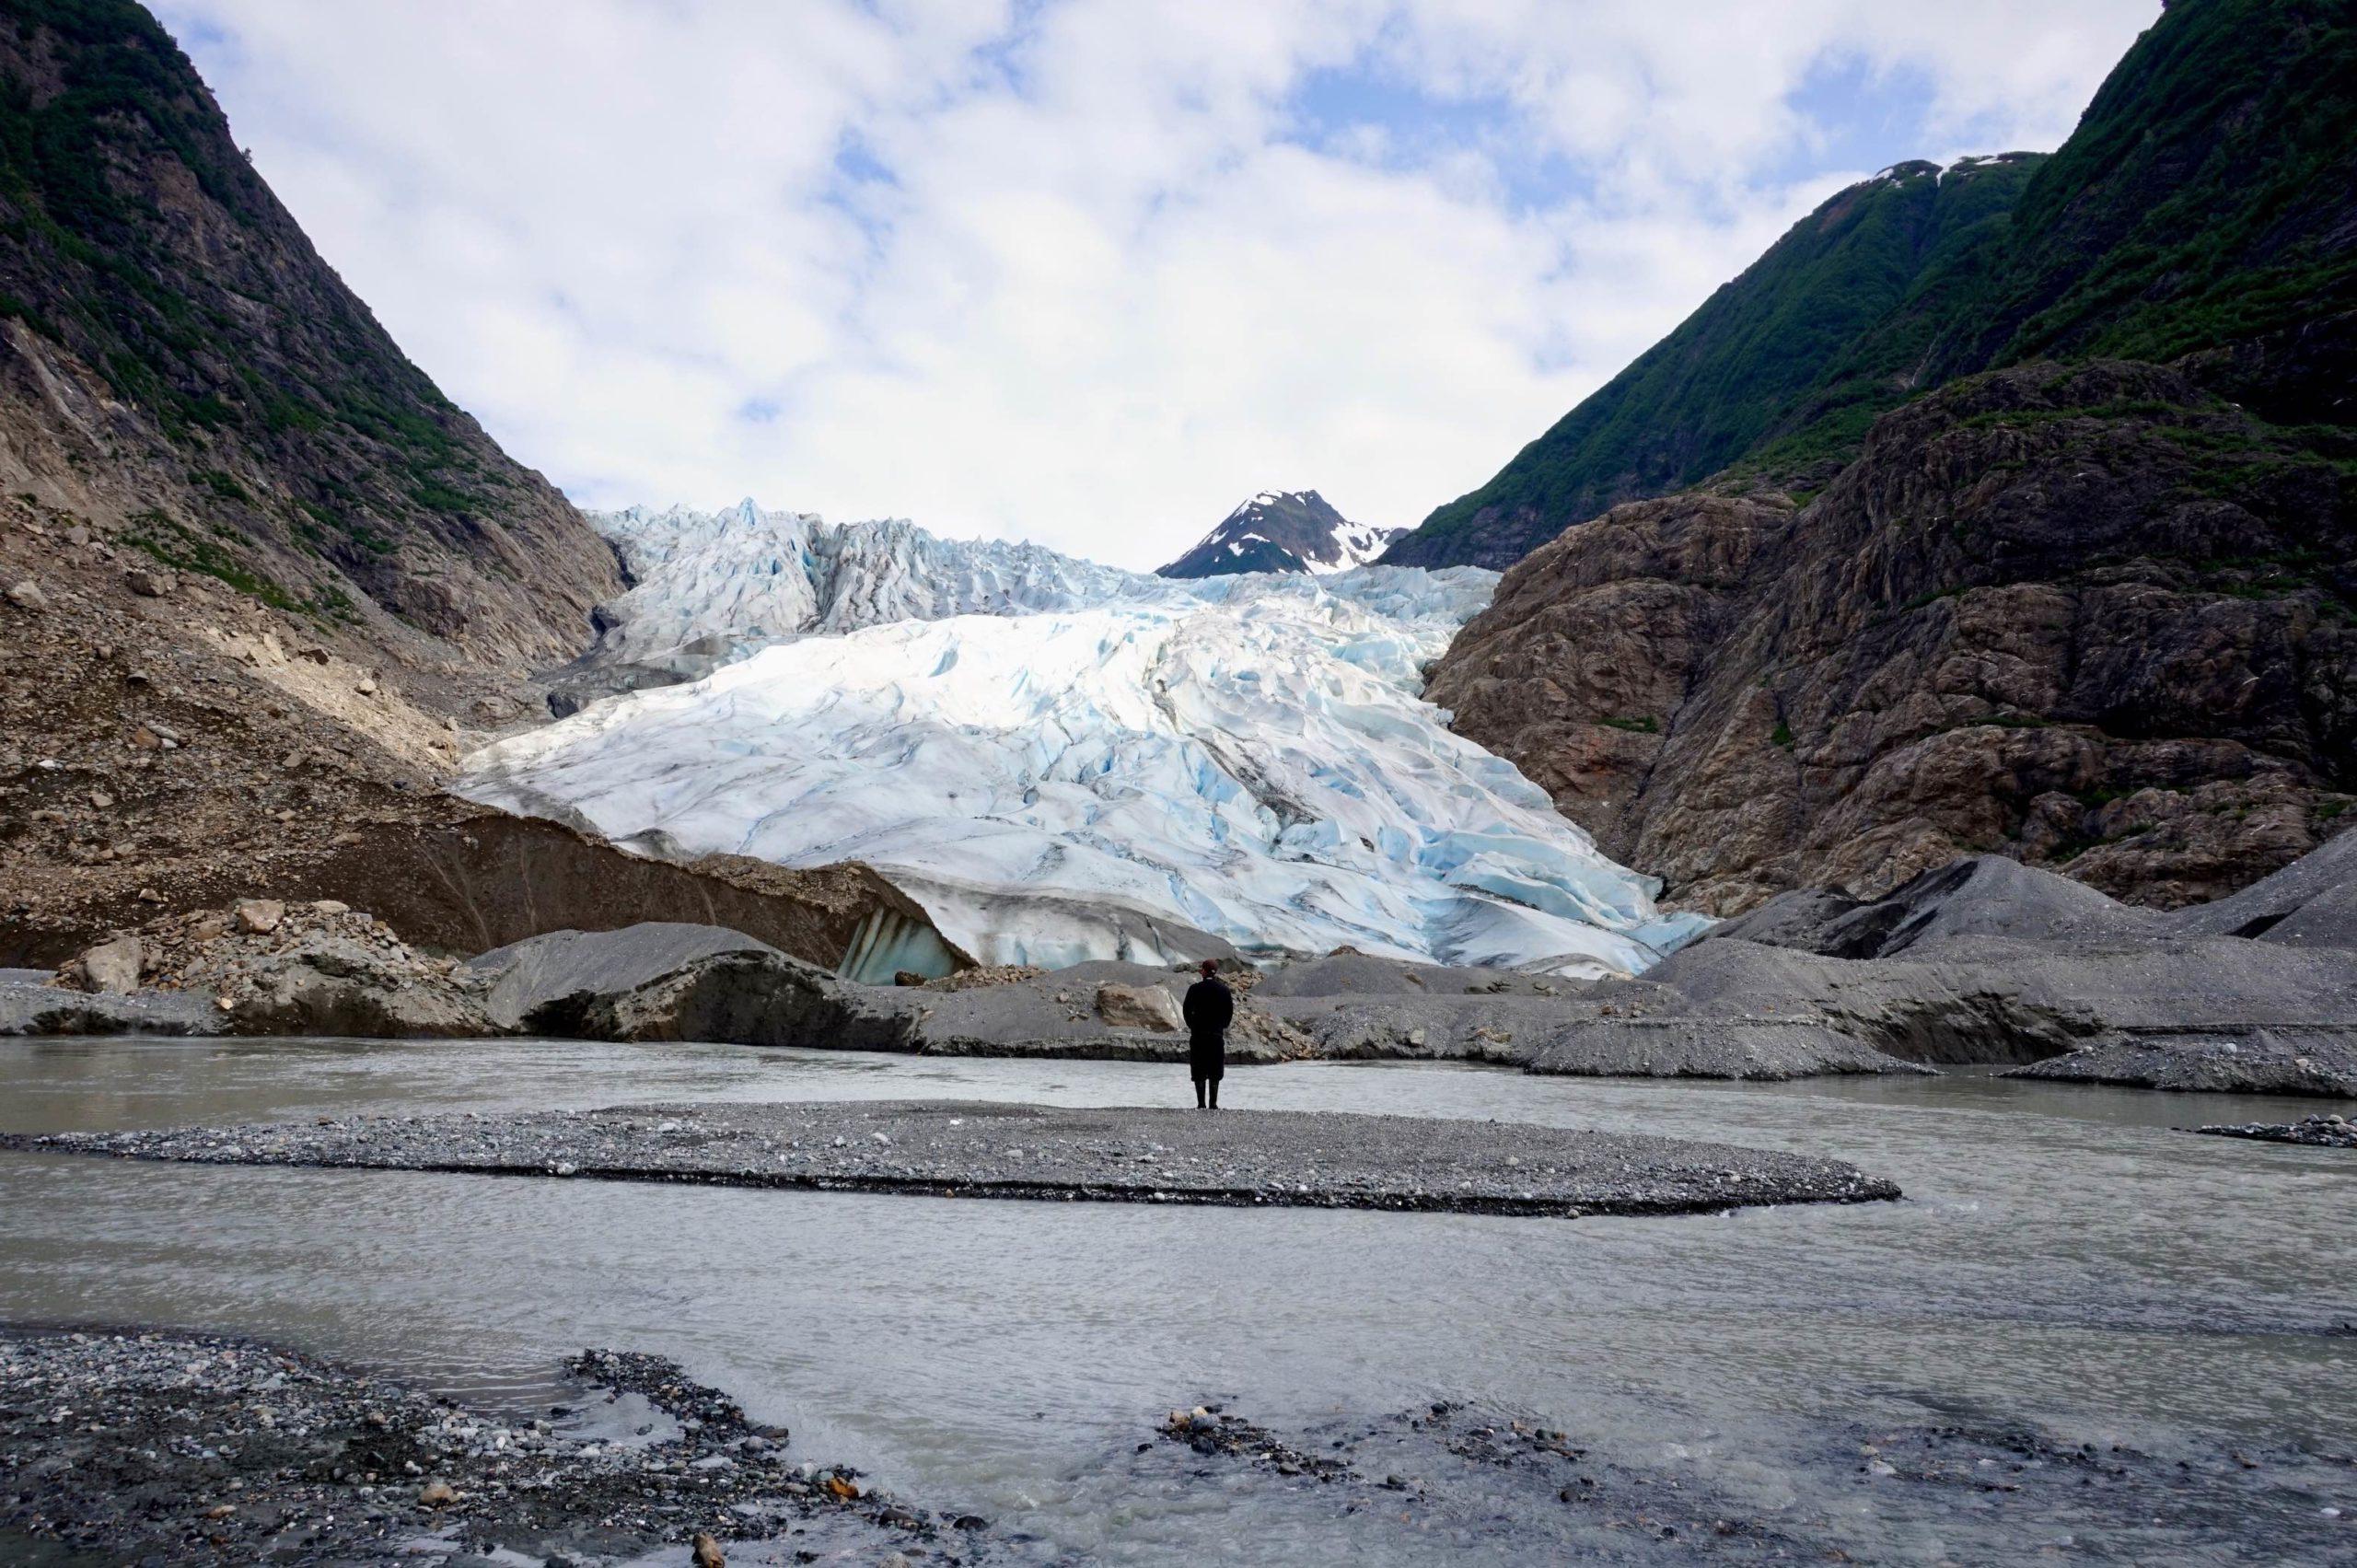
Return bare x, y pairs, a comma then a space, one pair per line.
1735, 371
175, 352
2202, 208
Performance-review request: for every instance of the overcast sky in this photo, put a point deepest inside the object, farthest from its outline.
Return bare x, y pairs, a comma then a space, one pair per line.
1086, 271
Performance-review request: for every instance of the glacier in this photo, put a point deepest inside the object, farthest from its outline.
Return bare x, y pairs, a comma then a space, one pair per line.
1063, 760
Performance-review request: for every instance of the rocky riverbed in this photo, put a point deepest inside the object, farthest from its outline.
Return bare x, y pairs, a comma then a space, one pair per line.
950, 1148
166, 1449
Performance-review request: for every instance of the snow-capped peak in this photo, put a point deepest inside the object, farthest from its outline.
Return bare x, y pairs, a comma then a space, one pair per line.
1282, 531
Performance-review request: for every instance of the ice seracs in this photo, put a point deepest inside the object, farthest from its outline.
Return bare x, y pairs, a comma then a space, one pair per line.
708, 585
1061, 760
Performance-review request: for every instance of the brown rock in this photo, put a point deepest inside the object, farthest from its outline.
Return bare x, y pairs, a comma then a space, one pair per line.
149, 582
258, 917
114, 967
1139, 1008
27, 596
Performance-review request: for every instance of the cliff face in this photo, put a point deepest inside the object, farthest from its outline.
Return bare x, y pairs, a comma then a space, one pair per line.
180, 369
2093, 617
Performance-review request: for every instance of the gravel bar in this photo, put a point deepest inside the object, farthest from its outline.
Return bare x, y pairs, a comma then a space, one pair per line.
967, 1149
168, 1449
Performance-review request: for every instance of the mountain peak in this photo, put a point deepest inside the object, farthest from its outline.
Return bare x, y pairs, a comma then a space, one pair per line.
1282, 531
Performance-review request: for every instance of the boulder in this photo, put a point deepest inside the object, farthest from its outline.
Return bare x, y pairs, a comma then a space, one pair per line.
673, 980
27, 595
259, 917
114, 967
149, 582
28, 1008
1139, 1008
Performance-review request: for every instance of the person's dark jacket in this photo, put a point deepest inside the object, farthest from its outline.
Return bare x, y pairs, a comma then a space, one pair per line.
1209, 1009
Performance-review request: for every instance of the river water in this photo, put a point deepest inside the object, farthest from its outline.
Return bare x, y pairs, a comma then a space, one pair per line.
2062, 1263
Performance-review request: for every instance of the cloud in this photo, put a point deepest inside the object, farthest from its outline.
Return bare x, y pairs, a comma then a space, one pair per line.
1081, 271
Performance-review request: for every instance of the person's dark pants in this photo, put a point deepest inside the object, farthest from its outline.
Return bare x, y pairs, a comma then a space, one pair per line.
1207, 1064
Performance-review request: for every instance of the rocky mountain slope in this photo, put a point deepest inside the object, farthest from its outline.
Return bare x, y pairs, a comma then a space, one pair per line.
2202, 208
260, 582
177, 364
2091, 617
2098, 615
1296, 530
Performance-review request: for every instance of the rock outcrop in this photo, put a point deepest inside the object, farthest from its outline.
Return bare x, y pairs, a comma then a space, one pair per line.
2094, 619
261, 966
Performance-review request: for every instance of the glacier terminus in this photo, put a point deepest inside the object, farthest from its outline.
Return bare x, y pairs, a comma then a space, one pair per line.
1063, 760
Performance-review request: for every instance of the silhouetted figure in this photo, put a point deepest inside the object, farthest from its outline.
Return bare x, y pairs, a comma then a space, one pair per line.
1210, 1008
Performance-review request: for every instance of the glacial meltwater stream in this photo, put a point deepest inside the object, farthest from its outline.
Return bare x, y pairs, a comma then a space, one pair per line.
2064, 1264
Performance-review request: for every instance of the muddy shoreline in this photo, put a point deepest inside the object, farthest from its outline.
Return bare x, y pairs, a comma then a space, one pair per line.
972, 1149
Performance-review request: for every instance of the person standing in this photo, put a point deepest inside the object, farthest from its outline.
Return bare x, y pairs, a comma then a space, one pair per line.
1209, 1008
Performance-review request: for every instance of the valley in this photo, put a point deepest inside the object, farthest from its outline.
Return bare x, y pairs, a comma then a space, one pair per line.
1791, 960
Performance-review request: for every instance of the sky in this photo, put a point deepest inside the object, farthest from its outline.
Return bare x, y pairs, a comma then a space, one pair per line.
1083, 272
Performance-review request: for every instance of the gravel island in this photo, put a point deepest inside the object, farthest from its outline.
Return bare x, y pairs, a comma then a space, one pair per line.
949, 1148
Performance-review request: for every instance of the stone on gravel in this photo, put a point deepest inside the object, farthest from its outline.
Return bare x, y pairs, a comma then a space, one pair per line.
27, 596
114, 967
259, 917
1987, 960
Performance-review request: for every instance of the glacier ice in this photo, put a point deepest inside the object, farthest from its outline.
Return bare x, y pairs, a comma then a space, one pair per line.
1063, 760
709, 586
